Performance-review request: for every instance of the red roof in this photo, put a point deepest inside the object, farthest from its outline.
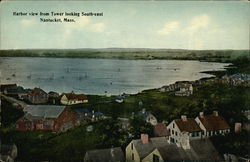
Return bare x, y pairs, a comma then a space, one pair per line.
36, 91
73, 96
188, 126
213, 122
161, 130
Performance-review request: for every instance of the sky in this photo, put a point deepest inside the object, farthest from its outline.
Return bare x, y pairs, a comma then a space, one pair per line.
198, 25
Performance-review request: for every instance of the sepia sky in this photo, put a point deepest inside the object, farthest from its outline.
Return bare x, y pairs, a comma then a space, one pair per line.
131, 24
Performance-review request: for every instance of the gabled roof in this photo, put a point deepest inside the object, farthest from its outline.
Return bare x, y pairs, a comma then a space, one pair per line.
187, 126
199, 150
212, 122
48, 111
36, 91
73, 96
105, 155
161, 130
145, 149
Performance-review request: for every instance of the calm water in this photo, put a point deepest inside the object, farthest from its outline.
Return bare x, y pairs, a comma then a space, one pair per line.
99, 76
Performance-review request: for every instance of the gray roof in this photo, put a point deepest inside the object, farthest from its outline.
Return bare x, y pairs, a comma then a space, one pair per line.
200, 149
145, 149
48, 111
105, 155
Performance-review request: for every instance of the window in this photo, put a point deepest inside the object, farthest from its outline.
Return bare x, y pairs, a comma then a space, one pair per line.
176, 133
156, 158
133, 158
172, 131
173, 125
132, 146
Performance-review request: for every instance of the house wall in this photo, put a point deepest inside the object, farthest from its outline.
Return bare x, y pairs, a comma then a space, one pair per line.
132, 150
65, 101
149, 158
174, 132
151, 119
66, 116
24, 125
176, 136
205, 133
38, 98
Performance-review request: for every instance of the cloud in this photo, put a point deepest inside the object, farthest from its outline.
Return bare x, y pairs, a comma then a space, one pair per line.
99, 27
197, 23
169, 27
27, 22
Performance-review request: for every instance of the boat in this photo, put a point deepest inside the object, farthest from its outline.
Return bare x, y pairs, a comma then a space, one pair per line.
29, 76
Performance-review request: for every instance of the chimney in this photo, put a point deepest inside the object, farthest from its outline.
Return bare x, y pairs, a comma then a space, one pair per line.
237, 127
143, 110
184, 118
215, 113
144, 138
201, 114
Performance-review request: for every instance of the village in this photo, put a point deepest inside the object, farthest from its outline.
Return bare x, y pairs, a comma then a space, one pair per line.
182, 137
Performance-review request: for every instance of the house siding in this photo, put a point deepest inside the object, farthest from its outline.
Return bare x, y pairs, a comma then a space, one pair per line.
149, 158
65, 117
130, 151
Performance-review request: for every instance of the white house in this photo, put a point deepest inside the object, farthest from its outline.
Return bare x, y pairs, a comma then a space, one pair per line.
185, 90
212, 124
72, 98
148, 117
184, 129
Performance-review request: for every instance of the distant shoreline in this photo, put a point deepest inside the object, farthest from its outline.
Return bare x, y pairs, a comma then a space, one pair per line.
132, 54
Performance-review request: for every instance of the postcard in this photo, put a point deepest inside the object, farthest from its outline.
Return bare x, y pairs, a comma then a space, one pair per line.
116, 81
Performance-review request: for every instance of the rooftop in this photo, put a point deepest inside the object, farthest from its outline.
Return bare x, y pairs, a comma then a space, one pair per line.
212, 122
105, 155
161, 130
190, 125
49, 111
73, 96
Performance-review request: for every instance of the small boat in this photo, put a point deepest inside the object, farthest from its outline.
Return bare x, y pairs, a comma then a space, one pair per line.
29, 76
52, 77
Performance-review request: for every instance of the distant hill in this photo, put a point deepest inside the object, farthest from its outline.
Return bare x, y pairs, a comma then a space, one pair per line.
130, 53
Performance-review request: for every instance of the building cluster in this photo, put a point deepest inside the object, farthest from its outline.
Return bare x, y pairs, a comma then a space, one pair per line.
54, 117
42, 113
39, 96
180, 88
183, 139
236, 79
185, 88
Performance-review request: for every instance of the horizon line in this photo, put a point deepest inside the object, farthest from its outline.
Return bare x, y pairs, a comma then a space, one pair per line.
116, 48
